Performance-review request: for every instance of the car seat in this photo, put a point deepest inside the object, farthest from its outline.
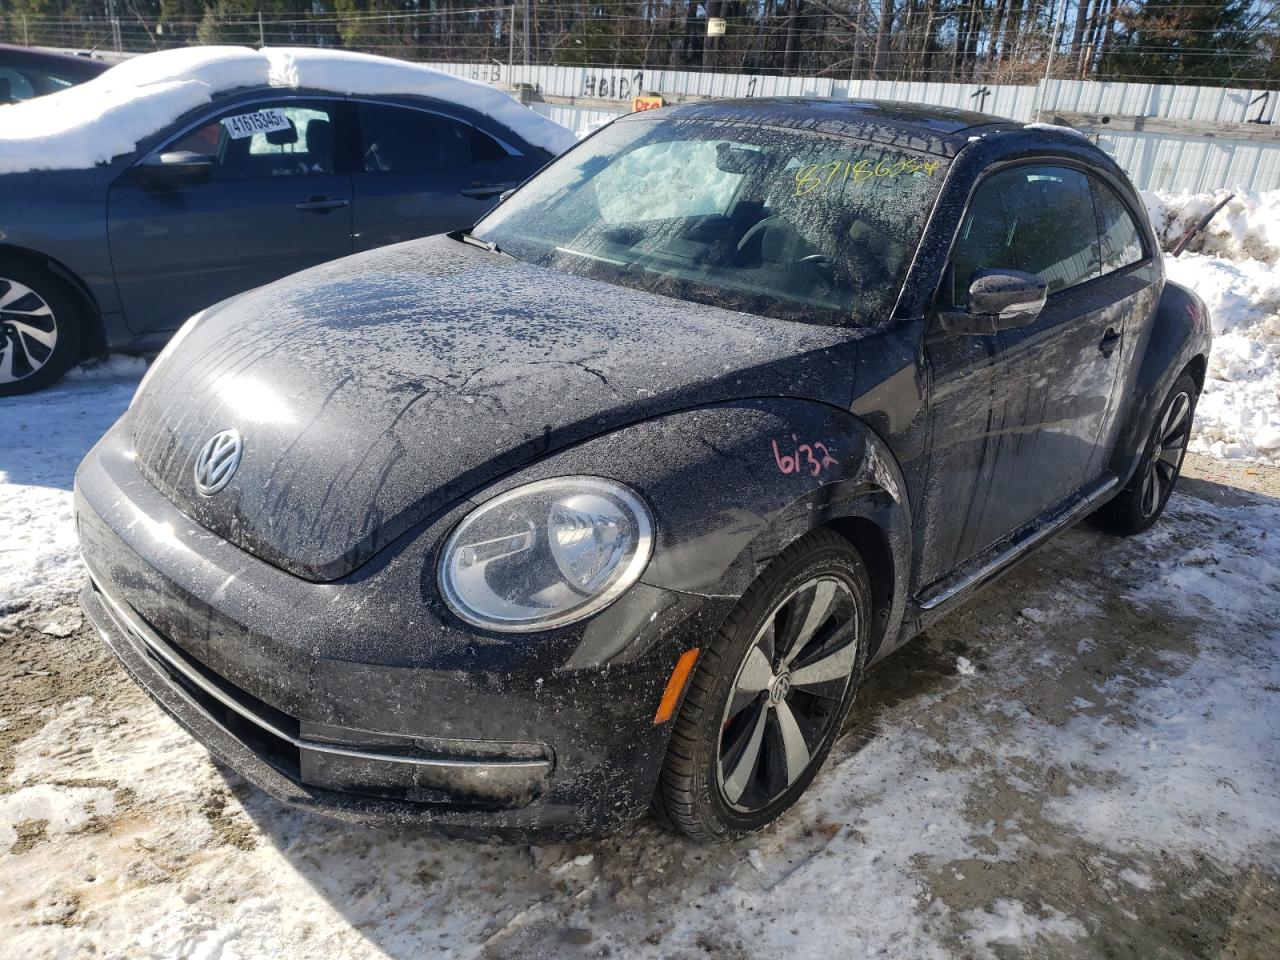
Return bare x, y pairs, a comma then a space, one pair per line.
320, 145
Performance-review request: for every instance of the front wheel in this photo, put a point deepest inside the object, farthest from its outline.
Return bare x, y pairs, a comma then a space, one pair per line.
39, 328
1141, 502
769, 693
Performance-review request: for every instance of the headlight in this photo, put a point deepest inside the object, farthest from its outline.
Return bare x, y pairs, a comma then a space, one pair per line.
546, 554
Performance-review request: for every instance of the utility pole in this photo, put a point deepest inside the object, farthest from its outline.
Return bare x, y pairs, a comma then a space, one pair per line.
525, 78
262, 35
1048, 66
511, 40
115, 24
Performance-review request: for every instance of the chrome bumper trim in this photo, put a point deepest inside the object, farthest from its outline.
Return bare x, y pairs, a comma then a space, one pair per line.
156, 646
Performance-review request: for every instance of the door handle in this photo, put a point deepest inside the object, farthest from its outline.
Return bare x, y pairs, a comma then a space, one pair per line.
320, 204
483, 191
1109, 341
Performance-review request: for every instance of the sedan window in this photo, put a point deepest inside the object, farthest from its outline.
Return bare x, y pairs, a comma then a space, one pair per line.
14, 86
23, 84
266, 140
401, 140
1035, 219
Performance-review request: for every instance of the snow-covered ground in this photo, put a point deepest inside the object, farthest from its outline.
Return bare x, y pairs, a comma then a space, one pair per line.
48, 435
1082, 762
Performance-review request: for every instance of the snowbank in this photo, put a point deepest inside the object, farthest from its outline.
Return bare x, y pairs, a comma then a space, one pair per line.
95, 121
1232, 265
1247, 228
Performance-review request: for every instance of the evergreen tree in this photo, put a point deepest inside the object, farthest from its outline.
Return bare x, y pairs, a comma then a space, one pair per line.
1164, 41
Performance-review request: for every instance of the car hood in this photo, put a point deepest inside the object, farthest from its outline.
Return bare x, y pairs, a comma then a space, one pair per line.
374, 392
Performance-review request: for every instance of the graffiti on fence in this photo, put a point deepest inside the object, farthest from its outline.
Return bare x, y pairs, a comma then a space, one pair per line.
485, 72
613, 86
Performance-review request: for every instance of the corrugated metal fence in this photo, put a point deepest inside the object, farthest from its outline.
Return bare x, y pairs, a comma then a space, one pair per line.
1166, 137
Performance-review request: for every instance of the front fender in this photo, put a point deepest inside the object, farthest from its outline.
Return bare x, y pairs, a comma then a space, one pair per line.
732, 485
59, 218
1180, 333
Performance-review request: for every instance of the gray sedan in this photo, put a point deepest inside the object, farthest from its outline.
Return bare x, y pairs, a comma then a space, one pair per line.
257, 184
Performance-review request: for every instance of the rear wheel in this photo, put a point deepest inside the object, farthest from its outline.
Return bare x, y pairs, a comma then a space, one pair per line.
769, 694
1141, 502
40, 327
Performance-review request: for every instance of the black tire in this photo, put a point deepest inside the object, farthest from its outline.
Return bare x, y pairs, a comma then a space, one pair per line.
40, 327
708, 796
1142, 501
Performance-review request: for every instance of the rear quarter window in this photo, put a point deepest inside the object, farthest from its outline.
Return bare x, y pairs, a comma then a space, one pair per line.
1119, 235
403, 140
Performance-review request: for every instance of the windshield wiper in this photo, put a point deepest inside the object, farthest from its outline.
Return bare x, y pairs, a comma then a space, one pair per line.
483, 244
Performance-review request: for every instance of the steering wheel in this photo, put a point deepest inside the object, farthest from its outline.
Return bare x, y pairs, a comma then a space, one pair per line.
757, 228
822, 264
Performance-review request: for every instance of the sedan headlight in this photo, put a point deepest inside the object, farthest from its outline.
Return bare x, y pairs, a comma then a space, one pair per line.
546, 554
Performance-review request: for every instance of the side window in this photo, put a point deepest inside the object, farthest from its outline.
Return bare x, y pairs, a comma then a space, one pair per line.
1036, 219
1121, 242
401, 140
266, 140
14, 86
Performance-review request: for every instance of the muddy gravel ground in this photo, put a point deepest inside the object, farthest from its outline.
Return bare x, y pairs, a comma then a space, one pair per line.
1082, 762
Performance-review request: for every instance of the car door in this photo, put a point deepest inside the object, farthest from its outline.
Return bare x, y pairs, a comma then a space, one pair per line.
1130, 290
1014, 427
276, 199
421, 172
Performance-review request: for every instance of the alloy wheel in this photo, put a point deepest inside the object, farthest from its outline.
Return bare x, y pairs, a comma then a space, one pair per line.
28, 331
1168, 446
787, 693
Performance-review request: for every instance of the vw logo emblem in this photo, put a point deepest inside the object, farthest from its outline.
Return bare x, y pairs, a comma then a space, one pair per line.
217, 462
779, 687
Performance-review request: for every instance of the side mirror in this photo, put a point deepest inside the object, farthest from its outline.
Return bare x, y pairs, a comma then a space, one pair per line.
176, 168
998, 300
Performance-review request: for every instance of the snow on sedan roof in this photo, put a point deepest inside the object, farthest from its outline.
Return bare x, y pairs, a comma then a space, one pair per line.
90, 123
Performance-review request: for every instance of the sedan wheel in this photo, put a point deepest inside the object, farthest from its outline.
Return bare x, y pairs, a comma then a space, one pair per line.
769, 693
39, 328
28, 331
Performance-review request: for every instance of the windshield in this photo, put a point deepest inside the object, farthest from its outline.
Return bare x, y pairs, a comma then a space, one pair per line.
782, 223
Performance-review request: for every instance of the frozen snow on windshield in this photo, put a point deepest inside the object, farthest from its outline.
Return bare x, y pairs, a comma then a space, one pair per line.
670, 178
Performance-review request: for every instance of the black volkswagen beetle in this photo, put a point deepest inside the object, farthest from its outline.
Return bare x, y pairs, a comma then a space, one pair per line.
610, 502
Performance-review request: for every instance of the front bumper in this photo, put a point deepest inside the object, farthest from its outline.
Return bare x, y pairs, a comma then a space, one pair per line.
360, 699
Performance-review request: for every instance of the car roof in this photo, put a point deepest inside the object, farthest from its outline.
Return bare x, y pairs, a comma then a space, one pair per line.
11, 55
933, 129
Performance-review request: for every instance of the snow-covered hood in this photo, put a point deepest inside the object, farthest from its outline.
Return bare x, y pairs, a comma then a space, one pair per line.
108, 116
373, 392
